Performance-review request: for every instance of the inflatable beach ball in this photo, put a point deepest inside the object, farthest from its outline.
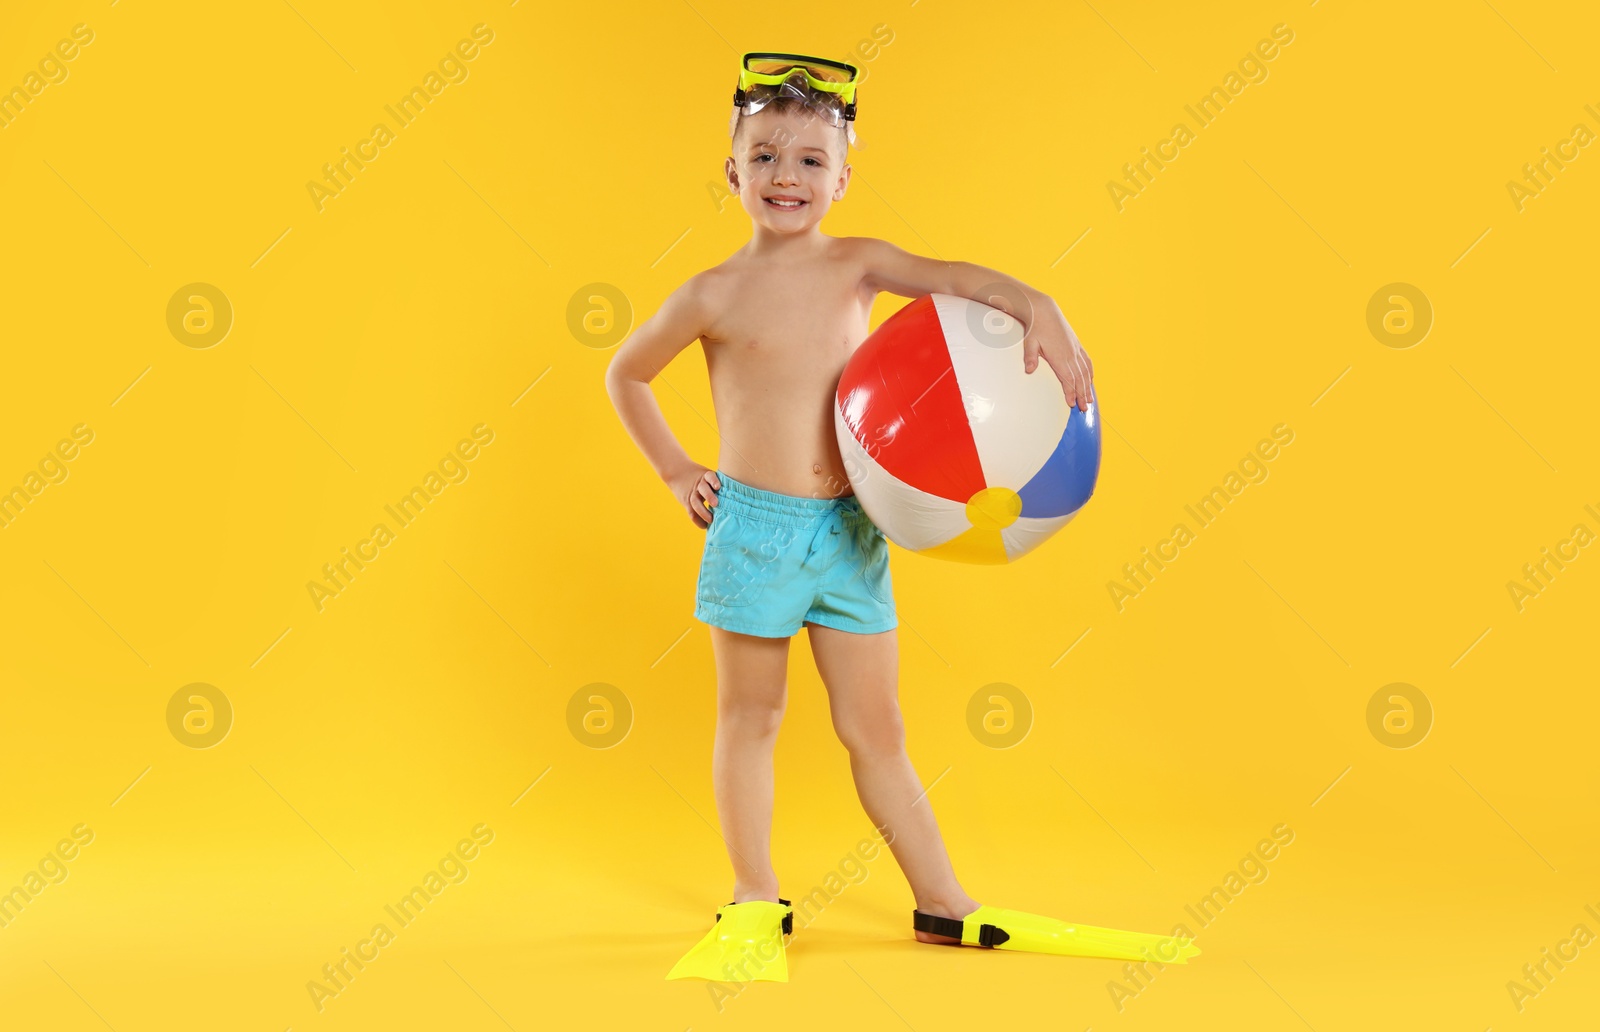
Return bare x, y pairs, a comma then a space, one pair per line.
952, 449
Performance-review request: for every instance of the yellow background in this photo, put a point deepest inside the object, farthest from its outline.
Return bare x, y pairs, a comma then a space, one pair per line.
369, 337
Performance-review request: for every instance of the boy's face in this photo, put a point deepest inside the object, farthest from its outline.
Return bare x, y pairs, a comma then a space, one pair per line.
788, 156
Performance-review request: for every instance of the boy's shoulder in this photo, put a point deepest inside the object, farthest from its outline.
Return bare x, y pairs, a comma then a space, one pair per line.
866, 252
711, 287
706, 287
859, 243
859, 248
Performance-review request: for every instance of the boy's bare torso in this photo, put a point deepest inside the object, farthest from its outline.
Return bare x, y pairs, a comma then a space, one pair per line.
780, 333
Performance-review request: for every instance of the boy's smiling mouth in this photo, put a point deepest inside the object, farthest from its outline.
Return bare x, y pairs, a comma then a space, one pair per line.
785, 203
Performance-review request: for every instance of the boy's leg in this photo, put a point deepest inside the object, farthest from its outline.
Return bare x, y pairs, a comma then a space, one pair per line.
862, 673
752, 689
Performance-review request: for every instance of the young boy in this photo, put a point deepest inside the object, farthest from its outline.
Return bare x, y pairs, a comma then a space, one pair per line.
788, 544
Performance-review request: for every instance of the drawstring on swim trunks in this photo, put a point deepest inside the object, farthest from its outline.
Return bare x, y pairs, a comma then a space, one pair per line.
831, 525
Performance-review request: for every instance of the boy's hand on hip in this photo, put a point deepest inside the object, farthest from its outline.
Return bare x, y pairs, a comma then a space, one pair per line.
1051, 337
696, 489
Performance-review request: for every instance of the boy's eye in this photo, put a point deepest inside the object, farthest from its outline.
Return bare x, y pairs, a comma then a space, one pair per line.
764, 157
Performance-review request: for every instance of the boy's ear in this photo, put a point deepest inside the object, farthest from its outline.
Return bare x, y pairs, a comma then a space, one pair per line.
844, 182
731, 170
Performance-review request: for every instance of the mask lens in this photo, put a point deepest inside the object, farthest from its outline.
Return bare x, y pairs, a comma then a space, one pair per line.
822, 72
823, 105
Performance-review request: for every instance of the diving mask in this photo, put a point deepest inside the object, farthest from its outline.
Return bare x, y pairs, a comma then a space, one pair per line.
826, 88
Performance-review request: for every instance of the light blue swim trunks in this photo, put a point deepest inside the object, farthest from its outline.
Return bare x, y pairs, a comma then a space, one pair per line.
773, 562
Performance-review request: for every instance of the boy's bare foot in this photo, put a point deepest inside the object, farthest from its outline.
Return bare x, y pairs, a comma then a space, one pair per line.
956, 911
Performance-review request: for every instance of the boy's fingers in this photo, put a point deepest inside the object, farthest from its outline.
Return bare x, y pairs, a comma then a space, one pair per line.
1083, 384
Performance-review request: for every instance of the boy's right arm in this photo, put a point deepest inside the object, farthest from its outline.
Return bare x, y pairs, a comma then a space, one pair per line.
680, 321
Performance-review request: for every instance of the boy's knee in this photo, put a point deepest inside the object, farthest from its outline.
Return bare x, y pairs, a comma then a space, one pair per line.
753, 714
873, 735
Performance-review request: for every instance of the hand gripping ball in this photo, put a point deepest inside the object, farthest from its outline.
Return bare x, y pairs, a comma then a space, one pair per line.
953, 450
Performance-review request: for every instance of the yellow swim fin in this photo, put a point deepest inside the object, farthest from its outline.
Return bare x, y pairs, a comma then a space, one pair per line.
745, 945
1016, 930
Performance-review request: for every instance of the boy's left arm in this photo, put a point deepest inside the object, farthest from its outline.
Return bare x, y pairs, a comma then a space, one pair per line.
1046, 331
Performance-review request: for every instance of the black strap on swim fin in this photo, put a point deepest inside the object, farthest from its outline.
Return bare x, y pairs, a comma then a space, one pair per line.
988, 934
788, 919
